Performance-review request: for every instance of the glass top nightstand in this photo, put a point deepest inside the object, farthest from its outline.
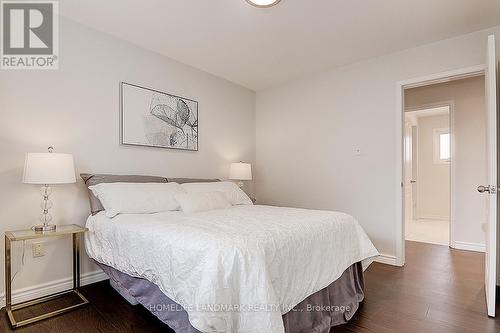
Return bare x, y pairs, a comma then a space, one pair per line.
21, 235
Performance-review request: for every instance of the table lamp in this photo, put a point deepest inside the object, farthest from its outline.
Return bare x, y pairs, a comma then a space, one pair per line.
48, 169
240, 171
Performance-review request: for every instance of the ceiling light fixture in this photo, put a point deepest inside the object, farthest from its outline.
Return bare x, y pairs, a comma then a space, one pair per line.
263, 3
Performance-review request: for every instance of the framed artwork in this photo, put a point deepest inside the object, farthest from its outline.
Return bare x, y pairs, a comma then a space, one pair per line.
153, 118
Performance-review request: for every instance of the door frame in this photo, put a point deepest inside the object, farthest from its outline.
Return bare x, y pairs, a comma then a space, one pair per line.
442, 77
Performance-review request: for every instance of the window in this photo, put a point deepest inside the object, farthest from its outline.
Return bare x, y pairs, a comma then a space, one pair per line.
442, 145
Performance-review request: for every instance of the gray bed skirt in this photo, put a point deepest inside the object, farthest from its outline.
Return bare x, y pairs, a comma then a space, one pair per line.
331, 306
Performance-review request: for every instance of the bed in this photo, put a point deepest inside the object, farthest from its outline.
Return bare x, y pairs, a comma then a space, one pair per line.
247, 268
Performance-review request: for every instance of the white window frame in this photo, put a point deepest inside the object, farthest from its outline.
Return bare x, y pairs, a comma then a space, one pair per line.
437, 147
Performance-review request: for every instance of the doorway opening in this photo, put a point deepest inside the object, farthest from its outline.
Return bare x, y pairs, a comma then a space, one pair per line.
427, 163
445, 159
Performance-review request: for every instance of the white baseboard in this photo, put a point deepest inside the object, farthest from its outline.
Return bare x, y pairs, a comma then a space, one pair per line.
469, 246
29, 293
386, 259
433, 217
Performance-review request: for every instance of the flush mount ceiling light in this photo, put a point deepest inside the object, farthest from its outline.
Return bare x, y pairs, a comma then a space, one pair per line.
263, 3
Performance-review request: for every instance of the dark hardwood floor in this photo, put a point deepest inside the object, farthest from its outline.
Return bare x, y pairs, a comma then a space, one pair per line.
438, 290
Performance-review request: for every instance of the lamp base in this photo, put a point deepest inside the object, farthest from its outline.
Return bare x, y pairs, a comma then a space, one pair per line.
44, 228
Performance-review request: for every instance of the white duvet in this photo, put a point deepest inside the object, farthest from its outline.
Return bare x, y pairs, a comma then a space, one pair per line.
233, 270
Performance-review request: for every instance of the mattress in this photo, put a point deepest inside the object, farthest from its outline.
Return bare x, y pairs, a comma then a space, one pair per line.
234, 270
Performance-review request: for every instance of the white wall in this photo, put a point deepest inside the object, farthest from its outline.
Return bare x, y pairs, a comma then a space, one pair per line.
469, 132
308, 128
76, 109
433, 180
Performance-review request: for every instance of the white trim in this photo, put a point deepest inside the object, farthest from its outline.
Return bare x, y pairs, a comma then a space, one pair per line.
420, 111
387, 260
476, 247
433, 217
457, 74
400, 86
453, 172
44, 289
399, 180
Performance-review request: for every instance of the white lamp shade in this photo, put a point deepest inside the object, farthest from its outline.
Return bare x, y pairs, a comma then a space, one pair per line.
49, 168
240, 171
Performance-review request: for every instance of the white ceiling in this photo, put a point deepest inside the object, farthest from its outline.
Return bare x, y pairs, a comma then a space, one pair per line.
259, 48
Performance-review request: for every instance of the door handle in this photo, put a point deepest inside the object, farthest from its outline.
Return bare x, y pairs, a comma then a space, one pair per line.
413, 181
490, 189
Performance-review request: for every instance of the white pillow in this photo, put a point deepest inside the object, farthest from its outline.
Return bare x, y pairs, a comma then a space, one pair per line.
201, 202
232, 192
137, 198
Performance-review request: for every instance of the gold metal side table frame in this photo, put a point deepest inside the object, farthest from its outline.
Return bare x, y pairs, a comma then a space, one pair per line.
10, 236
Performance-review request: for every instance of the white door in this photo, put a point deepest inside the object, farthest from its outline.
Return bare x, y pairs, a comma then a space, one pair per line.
408, 163
490, 189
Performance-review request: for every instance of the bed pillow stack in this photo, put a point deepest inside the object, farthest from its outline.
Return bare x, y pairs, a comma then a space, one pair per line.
137, 198
148, 198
